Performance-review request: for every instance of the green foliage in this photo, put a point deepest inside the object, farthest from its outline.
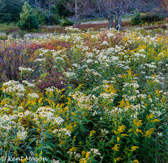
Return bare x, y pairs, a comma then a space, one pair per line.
54, 19
6, 27
10, 10
152, 17
3, 37
136, 20
103, 99
66, 22
28, 19
18, 34
61, 8
41, 15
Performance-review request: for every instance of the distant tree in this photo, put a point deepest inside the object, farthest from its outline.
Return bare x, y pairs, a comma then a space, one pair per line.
136, 19
62, 9
28, 19
10, 10
80, 8
49, 3
115, 9
164, 4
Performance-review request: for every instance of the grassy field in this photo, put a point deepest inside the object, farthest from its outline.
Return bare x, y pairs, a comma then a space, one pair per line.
87, 96
6, 27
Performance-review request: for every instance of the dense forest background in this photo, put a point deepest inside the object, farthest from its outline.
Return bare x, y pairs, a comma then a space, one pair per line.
52, 12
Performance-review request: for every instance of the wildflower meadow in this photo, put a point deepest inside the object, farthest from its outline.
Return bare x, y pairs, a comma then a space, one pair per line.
93, 96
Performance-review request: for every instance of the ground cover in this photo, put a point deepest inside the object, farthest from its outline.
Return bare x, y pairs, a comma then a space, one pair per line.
85, 96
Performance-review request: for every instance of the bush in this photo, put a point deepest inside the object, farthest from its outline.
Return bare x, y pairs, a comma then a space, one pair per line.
136, 20
53, 19
66, 22
152, 17
3, 37
41, 15
28, 19
10, 10
18, 34
7, 27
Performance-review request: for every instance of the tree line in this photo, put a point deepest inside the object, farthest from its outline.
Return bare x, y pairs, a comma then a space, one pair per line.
51, 11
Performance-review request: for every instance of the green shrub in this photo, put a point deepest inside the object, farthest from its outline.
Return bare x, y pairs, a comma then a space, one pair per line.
3, 37
136, 20
7, 32
41, 15
152, 17
28, 19
66, 22
6, 27
18, 34
10, 10
53, 19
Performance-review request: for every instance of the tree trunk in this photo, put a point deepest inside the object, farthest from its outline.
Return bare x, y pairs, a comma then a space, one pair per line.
76, 22
110, 21
98, 5
118, 23
49, 14
76, 14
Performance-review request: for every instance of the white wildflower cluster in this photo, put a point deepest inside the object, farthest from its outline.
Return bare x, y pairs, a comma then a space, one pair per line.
33, 95
21, 135
104, 43
85, 101
109, 96
25, 69
104, 131
69, 74
59, 58
13, 86
40, 60
62, 131
71, 28
51, 89
47, 113
28, 84
76, 155
8, 123
95, 151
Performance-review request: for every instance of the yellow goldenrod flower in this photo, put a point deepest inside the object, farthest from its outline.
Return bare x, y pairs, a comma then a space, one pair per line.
133, 148
117, 159
155, 120
24, 160
116, 148
122, 103
118, 139
87, 154
135, 161
149, 132
73, 149
157, 93
83, 152
73, 113
92, 132
124, 135
121, 128
146, 104
45, 122
115, 132
138, 131
149, 116
139, 123
129, 72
